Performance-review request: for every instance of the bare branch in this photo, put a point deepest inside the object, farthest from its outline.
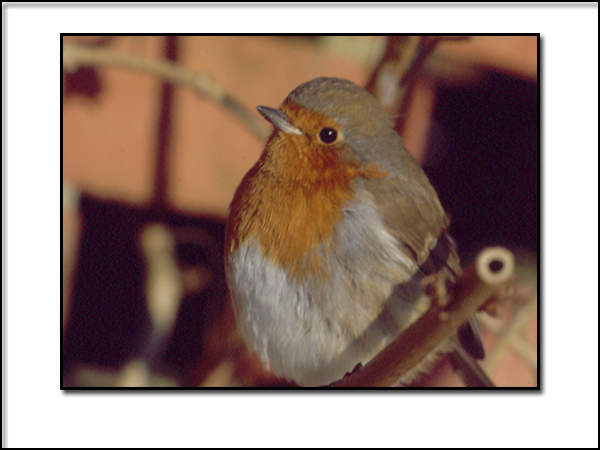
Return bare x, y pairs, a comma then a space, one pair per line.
75, 56
492, 269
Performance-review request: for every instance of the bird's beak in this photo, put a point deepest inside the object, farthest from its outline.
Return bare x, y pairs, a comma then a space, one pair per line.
278, 119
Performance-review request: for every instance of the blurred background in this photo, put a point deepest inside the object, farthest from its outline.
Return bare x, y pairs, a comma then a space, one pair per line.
158, 131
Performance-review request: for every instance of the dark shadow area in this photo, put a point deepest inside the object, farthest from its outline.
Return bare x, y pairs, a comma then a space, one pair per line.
483, 162
109, 323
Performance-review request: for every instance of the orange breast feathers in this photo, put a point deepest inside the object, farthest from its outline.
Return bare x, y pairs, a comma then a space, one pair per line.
292, 199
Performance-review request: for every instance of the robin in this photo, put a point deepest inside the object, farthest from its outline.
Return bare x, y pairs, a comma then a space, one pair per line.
330, 235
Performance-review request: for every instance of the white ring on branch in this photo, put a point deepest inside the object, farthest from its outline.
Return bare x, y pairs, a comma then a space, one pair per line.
495, 265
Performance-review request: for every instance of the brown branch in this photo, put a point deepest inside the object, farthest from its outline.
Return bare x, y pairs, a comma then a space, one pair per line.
392, 81
75, 56
492, 269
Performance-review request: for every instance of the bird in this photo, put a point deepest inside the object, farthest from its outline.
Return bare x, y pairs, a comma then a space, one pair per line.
330, 236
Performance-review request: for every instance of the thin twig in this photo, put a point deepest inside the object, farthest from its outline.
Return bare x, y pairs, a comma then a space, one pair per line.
75, 56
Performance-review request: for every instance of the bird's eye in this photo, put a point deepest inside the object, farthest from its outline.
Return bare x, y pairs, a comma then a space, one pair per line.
328, 135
